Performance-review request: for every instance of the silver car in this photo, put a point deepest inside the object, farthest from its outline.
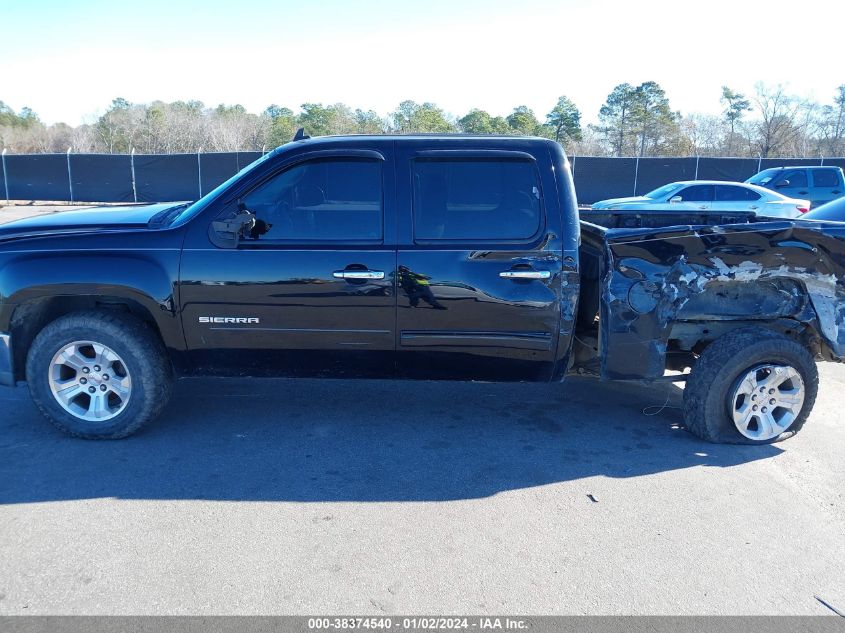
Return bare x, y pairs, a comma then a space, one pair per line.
711, 195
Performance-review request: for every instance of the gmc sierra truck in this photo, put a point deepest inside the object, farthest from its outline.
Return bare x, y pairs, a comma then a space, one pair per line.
445, 257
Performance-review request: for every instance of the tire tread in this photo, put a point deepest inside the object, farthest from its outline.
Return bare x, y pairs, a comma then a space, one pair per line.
704, 414
144, 345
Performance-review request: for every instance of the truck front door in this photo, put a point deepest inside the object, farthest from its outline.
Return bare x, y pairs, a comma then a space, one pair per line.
479, 263
311, 290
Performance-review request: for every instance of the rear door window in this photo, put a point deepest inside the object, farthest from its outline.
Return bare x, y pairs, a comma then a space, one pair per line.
476, 199
731, 193
825, 178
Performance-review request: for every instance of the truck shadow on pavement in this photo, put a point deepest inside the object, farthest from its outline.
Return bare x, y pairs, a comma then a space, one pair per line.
344, 440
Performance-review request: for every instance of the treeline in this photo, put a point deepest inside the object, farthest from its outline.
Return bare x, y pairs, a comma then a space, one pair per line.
634, 121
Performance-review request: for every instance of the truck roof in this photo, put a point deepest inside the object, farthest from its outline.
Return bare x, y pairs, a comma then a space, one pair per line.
426, 136
469, 139
802, 167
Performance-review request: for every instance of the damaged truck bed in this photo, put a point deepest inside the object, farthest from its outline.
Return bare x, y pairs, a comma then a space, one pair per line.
658, 288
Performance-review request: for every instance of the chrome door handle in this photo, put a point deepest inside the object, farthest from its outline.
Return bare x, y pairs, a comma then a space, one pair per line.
358, 274
753, 207
525, 274
703, 206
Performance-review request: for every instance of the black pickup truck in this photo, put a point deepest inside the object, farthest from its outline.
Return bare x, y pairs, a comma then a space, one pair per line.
442, 257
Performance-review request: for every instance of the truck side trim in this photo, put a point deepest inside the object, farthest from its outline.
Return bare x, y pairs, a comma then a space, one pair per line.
521, 340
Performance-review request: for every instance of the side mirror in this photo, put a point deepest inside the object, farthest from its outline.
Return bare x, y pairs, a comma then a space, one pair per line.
675, 199
230, 231
782, 183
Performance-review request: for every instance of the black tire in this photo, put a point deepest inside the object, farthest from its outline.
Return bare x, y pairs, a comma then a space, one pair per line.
141, 351
723, 363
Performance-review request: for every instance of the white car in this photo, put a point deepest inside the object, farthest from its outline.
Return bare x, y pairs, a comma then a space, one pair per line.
711, 195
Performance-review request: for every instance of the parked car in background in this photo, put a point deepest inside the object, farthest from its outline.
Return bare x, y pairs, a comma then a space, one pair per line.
833, 211
817, 184
714, 195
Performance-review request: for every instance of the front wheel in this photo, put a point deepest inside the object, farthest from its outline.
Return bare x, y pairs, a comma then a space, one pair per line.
98, 375
750, 386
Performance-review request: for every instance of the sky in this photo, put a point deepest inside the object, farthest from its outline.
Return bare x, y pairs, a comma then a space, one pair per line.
68, 59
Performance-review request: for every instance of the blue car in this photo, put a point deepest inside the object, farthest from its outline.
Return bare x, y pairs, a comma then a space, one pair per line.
817, 184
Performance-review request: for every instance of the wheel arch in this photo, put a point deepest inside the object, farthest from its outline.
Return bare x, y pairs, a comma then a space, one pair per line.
31, 316
693, 337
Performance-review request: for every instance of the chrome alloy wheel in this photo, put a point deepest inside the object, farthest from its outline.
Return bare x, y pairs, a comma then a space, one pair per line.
766, 401
90, 381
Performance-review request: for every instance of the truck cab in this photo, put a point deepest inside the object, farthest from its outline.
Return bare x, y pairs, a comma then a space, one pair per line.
418, 256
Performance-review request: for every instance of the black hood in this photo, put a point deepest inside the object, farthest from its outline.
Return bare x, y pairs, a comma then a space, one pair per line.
98, 218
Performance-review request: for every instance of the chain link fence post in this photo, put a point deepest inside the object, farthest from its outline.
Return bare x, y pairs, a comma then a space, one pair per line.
199, 172
132, 170
69, 175
5, 179
636, 175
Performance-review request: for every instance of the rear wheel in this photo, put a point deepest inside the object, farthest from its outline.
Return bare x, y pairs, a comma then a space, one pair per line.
98, 375
750, 386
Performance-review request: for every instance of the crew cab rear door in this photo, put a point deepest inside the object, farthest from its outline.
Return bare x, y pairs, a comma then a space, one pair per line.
311, 290
827, 185
479, 261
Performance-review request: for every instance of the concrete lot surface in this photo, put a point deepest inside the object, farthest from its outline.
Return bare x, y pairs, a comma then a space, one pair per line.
9, 212
369, 497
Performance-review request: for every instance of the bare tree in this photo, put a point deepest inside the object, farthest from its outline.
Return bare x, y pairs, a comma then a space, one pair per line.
777, 127
703, 135
831, 128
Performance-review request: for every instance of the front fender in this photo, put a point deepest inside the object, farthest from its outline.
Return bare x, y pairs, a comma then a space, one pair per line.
147, 279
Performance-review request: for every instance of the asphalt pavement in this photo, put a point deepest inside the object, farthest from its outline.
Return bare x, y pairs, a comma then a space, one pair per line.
371, 497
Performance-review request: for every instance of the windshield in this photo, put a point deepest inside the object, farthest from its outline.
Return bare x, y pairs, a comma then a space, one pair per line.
764, 176
194, 208
834, 210
663, 191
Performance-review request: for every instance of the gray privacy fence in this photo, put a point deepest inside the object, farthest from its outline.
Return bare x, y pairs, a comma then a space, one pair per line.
168, 177
118, 177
